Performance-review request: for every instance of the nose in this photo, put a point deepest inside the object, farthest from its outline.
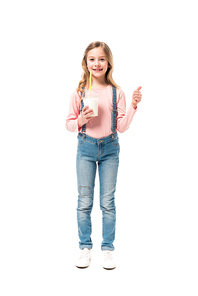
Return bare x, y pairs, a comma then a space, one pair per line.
96, 63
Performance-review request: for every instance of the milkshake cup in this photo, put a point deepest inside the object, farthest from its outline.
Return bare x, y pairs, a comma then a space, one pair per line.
91, 99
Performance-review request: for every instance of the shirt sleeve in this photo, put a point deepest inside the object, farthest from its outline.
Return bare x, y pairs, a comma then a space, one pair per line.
124, 118
74, 112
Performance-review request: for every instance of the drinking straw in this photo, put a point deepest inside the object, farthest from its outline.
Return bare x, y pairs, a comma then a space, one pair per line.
90, 84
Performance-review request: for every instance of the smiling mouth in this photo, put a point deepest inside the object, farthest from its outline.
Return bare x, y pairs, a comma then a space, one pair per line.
97, 70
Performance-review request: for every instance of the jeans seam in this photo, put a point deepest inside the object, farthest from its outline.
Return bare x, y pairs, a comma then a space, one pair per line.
103, 150
80, 188
113, 143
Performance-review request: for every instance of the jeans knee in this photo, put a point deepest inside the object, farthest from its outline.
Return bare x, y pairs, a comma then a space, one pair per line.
85, 198
107, 206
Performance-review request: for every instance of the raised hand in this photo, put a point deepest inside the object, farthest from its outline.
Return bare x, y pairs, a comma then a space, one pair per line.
136, 98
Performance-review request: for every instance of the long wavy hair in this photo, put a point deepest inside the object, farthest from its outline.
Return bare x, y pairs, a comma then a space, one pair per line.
85, 75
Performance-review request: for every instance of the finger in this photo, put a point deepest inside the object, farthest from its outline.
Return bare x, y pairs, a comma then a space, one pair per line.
137, 98
90, 118
85, 108
139, 88
138, 94
89, 112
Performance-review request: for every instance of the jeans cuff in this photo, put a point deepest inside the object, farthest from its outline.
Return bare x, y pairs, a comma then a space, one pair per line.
105, 248
85, 246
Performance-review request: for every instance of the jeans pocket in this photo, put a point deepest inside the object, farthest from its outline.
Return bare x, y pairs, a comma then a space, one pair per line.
115, 141
81, 140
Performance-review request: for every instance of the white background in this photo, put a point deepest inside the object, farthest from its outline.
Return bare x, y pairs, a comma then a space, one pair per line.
154, 44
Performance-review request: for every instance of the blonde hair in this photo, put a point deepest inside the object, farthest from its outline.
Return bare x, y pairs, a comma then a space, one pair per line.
85, 75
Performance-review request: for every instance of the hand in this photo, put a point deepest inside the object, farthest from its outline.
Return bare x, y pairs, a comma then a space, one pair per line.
85, 116
137, 96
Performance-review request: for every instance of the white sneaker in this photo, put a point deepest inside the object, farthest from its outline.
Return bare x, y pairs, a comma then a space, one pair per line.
84, 258
108, 262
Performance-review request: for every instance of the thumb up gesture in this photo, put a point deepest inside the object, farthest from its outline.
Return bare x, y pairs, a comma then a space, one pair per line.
136, 98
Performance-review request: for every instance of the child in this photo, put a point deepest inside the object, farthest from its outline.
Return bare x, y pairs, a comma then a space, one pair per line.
98, 145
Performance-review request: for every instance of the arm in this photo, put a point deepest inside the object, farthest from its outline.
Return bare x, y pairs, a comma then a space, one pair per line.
74, 122
73, 113
124, 118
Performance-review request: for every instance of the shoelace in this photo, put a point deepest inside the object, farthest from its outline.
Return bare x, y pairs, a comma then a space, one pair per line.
85, 253
108, 255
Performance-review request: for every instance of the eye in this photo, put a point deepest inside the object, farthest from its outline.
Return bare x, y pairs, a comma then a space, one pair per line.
91, 60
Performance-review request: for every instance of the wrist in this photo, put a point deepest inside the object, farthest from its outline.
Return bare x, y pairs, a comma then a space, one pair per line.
79, 123
134, 106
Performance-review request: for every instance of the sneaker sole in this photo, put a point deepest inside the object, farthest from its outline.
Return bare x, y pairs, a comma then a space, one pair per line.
83, 267
109, 268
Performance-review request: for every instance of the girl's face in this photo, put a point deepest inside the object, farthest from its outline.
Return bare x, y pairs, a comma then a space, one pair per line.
97, 62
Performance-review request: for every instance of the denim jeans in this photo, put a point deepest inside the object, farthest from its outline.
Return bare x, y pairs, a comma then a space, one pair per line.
91, 153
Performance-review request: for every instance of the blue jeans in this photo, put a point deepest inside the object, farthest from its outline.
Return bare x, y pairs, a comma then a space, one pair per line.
104, 153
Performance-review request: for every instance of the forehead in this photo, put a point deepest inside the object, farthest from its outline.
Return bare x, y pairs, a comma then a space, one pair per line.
96, 52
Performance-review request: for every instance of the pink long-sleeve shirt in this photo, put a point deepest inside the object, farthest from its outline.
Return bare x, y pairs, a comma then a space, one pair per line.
100, 126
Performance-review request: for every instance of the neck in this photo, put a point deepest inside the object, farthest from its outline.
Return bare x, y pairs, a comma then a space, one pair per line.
99, 82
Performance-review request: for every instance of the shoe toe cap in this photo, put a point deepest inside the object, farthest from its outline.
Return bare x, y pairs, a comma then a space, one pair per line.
82, 262
109, 264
